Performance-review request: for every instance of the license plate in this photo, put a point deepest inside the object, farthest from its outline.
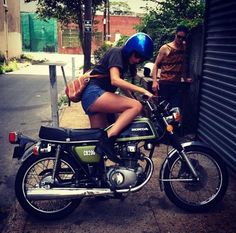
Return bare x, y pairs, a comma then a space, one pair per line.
18, 152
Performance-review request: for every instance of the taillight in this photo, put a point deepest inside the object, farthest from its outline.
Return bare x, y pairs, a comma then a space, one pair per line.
13, 137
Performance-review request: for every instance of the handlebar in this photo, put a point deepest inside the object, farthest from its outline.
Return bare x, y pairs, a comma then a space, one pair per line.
159, 107
156, 103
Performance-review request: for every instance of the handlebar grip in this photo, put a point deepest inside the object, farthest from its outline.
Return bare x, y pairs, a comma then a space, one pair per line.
145, 97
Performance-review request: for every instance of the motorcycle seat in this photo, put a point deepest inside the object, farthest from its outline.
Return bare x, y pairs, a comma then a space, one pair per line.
49, 133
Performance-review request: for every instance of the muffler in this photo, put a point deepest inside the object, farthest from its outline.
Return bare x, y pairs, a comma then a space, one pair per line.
75, 193
65, 193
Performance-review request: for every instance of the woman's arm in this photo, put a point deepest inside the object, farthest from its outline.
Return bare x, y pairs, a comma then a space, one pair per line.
128, 93
124, 85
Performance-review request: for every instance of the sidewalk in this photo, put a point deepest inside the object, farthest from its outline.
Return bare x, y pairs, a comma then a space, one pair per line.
72, 61
73, 117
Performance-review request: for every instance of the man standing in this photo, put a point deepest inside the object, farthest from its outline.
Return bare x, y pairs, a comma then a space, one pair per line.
171, 61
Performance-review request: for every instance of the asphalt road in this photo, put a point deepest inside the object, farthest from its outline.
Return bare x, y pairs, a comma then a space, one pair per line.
24, 106
147, 211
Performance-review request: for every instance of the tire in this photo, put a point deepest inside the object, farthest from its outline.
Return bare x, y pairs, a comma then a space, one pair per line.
196, 196
27, 177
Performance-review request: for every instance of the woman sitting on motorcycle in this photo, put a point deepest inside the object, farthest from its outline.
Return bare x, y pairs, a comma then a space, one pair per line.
99, 97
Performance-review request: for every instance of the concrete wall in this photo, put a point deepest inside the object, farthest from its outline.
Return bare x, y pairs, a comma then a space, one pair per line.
10, 37
3, 31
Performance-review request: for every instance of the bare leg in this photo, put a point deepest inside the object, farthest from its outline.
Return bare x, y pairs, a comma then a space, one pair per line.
112, 103
98, 120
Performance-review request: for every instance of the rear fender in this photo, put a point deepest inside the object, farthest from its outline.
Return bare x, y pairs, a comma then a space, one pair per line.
35, 150
24, 143
28, 152
173, 152
25, 139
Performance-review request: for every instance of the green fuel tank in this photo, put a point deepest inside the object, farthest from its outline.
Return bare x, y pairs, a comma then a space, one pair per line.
139, 130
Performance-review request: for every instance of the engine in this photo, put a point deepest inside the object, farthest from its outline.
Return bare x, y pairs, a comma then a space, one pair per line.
122, 177
127, 175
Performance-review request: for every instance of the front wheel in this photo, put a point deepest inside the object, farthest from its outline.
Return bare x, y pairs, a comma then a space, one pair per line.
35, 172
196, 195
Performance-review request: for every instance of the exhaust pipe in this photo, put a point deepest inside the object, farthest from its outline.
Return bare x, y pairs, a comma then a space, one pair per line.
75, 193
64, 193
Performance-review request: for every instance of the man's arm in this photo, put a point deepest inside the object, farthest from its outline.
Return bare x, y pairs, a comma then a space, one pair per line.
159, 58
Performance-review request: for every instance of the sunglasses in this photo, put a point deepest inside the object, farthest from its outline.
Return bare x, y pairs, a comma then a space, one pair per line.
181, 37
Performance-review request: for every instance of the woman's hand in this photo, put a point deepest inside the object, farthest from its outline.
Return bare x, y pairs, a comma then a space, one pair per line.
148, 94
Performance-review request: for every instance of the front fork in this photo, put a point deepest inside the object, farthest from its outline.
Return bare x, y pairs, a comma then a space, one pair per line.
177, 145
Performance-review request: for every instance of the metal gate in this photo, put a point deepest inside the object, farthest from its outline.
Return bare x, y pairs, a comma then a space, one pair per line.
38, 35
217, 111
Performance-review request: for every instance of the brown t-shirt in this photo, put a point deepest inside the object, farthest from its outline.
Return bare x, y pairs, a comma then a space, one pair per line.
172, 65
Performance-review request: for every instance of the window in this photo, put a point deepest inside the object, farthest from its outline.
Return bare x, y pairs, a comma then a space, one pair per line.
70, 38
98, 38
5, 3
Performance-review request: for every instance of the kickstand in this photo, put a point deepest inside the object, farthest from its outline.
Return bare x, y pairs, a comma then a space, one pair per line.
119, 196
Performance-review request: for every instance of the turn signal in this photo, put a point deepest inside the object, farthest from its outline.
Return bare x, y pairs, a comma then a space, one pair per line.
177, 116
169, 128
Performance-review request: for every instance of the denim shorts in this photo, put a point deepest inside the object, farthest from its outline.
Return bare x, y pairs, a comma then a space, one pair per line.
89, 96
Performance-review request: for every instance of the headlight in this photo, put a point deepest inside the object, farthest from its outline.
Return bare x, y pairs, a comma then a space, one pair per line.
176, 114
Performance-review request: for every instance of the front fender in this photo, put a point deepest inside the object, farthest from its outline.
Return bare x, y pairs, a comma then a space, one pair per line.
172, 153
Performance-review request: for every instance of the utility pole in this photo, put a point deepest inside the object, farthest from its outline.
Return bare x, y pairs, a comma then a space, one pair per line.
105, 21
87, 34
108, 20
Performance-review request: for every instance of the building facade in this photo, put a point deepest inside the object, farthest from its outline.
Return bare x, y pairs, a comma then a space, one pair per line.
68, 38
10, 36
50, 36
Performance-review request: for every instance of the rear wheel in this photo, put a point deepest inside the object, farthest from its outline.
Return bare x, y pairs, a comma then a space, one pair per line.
36, 172
198, 195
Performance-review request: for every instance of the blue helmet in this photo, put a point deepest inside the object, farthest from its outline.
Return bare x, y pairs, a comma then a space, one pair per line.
139, 43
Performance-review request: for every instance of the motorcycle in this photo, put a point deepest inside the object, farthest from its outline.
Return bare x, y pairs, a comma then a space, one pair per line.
61, 168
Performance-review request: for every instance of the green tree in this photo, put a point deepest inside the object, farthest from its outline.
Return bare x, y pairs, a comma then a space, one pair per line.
160, 22
120, 8
117, 8
65, 11
100, 52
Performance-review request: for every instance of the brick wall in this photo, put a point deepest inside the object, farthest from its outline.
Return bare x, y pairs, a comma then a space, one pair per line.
119, 25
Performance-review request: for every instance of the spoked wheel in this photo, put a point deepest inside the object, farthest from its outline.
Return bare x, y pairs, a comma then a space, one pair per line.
196, 195
36, 172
